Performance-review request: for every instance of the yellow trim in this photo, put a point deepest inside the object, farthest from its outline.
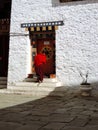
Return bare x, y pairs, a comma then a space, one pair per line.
43, 28
32, 28
34, 49
56, 27
38, 28
49, 27
26, 29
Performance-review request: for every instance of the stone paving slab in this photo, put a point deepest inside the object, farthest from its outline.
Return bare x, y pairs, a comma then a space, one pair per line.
9, 125
81, 128
53, 126
29, 127
70, 112
8, 100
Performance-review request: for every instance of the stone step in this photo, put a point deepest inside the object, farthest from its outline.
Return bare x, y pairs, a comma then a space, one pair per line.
48, 87
3, 82
32, 84
37, 91
3, 86
45, 80
33, 88
3, 78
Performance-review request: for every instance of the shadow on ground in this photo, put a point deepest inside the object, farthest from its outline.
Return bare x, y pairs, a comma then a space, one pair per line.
68, 112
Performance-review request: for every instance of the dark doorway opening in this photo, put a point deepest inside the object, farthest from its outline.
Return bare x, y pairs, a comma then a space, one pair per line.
47, 46
4, 48
5, 11
45, 42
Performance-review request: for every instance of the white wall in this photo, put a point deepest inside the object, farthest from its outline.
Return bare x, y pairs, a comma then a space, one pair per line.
76, 40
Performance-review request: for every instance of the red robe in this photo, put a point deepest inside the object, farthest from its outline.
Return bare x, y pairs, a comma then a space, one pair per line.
39, 59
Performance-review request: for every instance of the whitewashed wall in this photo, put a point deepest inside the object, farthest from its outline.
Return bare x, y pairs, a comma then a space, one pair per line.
76, 41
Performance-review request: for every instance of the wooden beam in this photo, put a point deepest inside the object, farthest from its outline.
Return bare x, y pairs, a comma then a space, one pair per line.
32, 28
26, 29
49, 27
43, 28
56, 27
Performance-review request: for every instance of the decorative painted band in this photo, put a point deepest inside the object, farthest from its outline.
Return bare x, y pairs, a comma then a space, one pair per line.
42, 24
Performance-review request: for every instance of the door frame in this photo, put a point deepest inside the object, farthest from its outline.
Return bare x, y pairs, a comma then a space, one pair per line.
37, 36
47, 45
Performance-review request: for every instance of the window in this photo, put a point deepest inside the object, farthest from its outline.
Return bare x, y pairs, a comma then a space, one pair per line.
69, 0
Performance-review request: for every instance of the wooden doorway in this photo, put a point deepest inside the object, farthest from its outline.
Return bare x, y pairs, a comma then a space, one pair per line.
4, 49
47, 45
5, 11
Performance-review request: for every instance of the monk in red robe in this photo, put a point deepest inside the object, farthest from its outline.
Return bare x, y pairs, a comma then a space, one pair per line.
39, 61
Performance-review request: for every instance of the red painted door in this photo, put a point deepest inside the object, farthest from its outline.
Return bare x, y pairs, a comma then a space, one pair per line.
47, 46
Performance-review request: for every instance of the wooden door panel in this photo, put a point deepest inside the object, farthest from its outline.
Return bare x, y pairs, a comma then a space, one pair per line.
4, 48
47, 46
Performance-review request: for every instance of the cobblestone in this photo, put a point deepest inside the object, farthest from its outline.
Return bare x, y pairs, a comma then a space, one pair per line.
70, 112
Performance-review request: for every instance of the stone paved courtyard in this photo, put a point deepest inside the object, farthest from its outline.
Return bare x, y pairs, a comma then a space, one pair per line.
70, 112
